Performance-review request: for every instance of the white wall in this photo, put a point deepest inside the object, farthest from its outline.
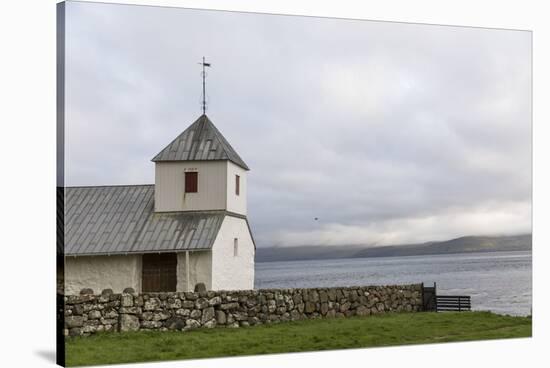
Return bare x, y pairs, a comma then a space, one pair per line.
200, 270
102, 272
236, 203
170, 186
230, 272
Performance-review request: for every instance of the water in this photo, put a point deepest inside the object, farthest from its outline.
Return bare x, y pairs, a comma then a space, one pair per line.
496, 281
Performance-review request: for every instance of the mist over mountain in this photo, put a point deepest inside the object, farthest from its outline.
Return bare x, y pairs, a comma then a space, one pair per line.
465, 244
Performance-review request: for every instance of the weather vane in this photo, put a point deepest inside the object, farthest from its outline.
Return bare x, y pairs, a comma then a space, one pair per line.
204, 65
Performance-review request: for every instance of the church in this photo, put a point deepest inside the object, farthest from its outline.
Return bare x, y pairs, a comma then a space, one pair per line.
187, 228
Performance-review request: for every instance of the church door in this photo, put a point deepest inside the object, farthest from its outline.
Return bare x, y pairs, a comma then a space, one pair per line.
159, 272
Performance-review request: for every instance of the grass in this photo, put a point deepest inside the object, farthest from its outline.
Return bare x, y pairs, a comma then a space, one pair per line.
299, 336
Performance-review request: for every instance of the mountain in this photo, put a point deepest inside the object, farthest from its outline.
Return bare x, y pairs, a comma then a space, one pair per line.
465, 244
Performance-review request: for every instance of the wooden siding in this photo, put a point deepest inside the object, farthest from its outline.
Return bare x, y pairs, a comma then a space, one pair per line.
170, 186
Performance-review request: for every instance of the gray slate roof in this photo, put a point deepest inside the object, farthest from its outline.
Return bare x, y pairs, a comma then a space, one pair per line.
121, 219
201, 141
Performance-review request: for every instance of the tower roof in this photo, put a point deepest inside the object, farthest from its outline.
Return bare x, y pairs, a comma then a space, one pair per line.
202, 141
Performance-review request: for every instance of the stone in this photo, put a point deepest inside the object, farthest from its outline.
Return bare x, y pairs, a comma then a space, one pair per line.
86, 291
174, 303
271, 305
188, 304
200, 287
310, 307
74, 321
195, 313
89, 329
78, 310
175, 323
94, 315
220, 317
230, 319
323, 297
128, 290
106, 292
344, 307
362, 311
210, 294
151, 304
210, 324
229, 306
128, 322
108, 321
324, 308
183, 312
75, 331
240, 316
314, 296
161, 316
151, 324
331, 293
207, 314
201, 303
191, 296
110, 314
215, 301
130, 310
191, 323
127, 300
295, 315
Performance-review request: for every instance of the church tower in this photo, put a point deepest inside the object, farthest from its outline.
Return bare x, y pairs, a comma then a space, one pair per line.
200, 171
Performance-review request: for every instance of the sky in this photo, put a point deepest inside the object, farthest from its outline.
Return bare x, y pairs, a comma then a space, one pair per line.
387, 133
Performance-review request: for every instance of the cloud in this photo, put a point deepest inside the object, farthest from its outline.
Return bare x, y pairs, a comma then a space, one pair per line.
379, 129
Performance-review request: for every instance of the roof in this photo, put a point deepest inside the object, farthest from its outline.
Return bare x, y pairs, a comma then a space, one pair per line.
121, 220
202, 141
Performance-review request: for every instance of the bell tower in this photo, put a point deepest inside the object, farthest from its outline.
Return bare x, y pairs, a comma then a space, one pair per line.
200, 171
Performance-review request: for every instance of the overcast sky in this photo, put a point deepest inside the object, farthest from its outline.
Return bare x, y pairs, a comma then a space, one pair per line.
386, 132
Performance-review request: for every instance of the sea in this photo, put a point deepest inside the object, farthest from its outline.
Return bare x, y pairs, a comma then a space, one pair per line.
500, 282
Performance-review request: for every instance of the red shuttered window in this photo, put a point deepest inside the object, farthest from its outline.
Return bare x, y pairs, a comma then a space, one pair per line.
191, 182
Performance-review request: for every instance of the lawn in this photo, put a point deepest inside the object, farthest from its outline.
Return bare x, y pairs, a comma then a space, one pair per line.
307, 335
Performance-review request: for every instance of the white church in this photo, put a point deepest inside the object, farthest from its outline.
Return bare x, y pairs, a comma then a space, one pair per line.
189, 227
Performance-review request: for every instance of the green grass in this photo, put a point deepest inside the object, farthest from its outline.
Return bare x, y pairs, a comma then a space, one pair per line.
308, 335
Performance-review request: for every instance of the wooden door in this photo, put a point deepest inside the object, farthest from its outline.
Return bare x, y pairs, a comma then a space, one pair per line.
159, 272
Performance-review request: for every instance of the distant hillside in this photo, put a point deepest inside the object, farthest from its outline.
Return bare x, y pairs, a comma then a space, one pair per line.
466, 244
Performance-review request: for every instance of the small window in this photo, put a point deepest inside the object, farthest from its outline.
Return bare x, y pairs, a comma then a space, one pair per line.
235, 247
191, 182
237, 184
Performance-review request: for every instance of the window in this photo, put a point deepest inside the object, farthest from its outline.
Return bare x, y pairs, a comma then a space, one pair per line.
235, 247
191, 182
237, 184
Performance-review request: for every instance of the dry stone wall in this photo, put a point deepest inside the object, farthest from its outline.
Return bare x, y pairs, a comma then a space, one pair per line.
87, 313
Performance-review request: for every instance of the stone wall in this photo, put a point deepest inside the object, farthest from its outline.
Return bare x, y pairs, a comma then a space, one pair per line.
87, 313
